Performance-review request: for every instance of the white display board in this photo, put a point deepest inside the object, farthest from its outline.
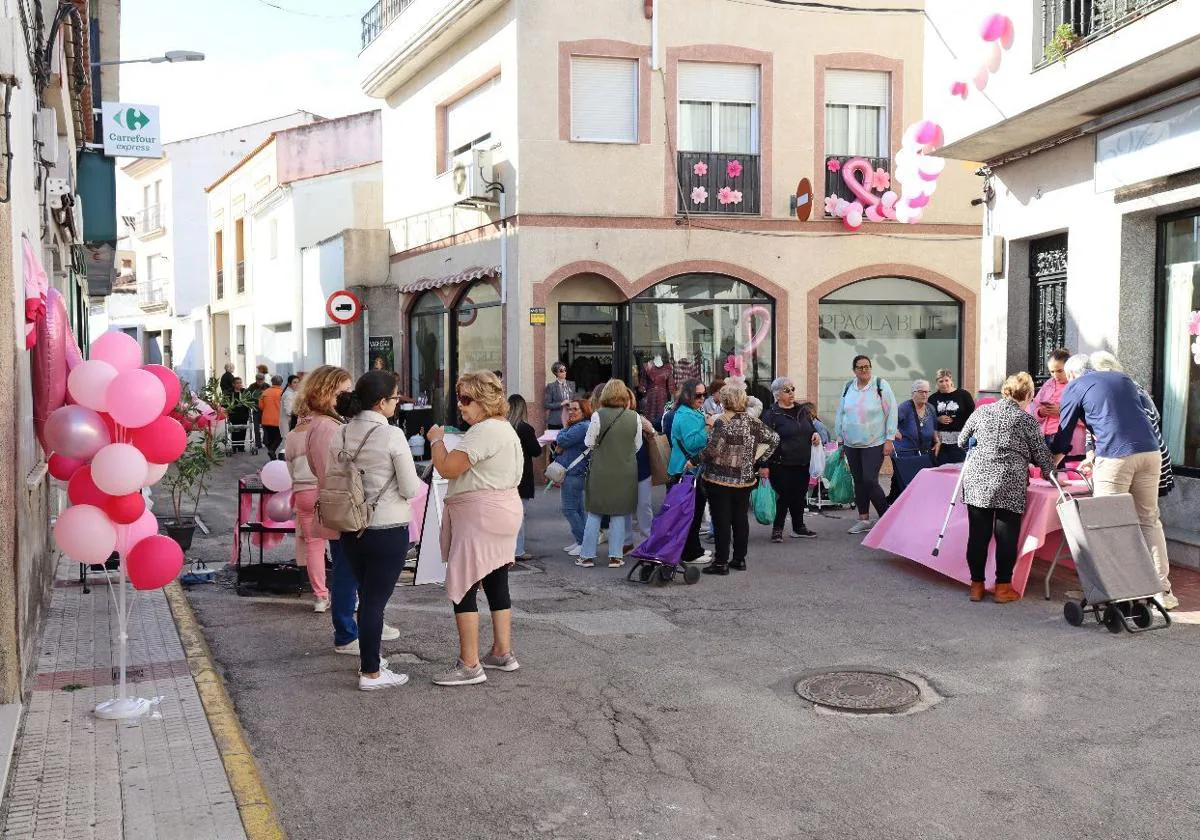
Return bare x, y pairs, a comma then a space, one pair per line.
431, 568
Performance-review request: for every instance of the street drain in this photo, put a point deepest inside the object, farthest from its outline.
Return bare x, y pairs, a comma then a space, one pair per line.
860, 692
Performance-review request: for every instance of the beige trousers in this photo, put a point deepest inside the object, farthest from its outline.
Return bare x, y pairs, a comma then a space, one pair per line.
1138, 476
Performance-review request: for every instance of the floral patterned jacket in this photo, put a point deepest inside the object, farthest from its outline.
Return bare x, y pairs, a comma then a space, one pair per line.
735, 450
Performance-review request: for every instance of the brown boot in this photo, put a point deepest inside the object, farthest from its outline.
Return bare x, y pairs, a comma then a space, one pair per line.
1005, 594
976, 590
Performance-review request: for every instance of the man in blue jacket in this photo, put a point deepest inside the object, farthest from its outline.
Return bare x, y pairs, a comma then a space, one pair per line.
1128, 459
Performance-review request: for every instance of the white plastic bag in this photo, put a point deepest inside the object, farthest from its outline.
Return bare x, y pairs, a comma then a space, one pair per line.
816, 462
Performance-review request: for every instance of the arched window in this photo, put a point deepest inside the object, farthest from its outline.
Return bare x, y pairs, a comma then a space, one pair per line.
909, 329
480, 321
429, 353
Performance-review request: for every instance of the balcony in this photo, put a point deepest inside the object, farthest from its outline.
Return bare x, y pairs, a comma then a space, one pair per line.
1067, 25
241, 278
835, 183
147, 222
379, 17
718, 183
153, 295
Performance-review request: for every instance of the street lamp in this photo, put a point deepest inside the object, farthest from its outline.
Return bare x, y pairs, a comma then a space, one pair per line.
170, 57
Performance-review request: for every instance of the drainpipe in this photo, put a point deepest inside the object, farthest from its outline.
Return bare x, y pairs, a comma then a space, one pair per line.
652, 13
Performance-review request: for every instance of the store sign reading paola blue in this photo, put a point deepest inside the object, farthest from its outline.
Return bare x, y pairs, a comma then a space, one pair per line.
131, 130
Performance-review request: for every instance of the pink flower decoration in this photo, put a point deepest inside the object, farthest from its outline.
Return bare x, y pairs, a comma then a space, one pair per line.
699, 194
833, 165
881, 181
733, 169
727, 195
1194, 323
734, 366
831, 205
700, 169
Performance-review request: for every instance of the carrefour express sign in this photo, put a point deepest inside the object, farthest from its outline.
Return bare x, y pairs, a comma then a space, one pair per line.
131, 130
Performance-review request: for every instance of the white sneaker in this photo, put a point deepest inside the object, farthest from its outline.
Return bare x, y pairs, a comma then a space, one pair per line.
350, 648
390, 633
862, 526
321, 605
1168, 601
574, 552
386, 679
573, 547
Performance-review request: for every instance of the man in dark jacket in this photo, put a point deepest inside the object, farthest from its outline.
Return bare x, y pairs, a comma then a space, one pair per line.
787, 467
227, 380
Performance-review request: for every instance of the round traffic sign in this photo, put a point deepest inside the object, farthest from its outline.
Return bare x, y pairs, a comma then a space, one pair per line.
343, 307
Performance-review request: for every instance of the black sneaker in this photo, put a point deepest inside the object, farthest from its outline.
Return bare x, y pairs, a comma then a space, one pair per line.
777, 536
803, 533
715, 569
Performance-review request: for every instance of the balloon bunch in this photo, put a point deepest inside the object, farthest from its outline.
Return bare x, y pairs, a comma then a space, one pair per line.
997, 34
917, 171
864, 182
113, 439
276, 478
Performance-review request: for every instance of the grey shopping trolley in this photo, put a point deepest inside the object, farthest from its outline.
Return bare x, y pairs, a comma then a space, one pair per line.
1112, 560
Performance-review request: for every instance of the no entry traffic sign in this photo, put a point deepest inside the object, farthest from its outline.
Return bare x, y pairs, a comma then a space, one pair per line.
343, 307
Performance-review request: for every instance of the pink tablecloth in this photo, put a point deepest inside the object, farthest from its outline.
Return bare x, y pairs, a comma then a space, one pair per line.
416, 507
910, 527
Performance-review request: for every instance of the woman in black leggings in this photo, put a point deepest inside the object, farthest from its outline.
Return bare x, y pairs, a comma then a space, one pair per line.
866, 426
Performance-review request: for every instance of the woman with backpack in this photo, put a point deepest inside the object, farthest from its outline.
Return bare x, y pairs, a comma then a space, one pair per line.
370, 447
866, 426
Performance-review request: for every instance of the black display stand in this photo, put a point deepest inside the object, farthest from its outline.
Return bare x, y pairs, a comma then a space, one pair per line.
268, 576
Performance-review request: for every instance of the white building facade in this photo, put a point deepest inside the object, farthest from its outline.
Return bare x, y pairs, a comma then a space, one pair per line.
1092, 231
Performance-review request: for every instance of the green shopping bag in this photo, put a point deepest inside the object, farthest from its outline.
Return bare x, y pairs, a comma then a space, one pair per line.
762, 499
839, 484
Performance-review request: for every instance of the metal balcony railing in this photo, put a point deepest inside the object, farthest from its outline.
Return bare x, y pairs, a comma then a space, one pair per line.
152, 296
380, 17
148, 219
835, 183
241, 277
1069, 24
719, 182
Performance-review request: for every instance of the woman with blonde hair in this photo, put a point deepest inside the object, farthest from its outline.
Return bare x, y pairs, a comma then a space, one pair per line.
483, 515
614, 437
1007, 440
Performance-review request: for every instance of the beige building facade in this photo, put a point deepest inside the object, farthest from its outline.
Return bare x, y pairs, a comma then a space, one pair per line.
649, 185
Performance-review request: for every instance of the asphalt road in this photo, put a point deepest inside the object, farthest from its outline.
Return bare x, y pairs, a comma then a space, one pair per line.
670, 712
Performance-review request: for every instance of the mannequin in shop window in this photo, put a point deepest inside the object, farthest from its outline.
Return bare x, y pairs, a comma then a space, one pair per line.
658, 379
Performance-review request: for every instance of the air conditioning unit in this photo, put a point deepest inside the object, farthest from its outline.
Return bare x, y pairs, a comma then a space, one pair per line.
470, 174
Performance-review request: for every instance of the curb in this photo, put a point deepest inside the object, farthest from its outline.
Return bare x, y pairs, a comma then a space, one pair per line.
253, 802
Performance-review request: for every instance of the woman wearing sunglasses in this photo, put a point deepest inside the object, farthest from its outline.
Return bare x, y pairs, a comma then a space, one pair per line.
389, 480
482, 516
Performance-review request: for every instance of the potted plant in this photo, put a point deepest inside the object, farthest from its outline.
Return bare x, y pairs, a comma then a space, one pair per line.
186, 479
1062, 42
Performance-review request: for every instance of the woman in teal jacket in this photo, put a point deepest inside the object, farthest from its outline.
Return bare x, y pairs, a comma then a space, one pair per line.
689, 436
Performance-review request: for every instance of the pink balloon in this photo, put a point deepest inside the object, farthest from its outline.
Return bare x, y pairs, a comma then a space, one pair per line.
85, 534
991, 57
279, 507
1006, 40
50, 364
135, 398
76, 431
88, 384
162, 441
994, 27
857, 174
155, 473
959, 89
918, 201
125, 510
154, 562
854, 217
171, 385
128, 536
118, 349
981, 77
929, 134
119, 469
81, 490
62, 467
275, 476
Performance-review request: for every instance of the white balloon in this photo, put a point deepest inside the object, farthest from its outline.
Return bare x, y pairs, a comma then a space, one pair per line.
275, 476
119, 469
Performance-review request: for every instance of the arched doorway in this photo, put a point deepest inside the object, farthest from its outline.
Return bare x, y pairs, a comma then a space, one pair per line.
910, 330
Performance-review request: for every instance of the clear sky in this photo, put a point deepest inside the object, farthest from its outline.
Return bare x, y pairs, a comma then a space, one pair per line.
261, 62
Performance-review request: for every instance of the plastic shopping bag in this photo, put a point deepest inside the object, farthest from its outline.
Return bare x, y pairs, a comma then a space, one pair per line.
816, 462
762, 499
838, 481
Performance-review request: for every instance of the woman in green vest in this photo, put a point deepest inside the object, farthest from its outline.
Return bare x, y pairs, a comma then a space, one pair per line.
614, 436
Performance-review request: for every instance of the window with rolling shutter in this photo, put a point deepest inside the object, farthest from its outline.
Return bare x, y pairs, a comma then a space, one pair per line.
718, 107
471, 119
856, 113
604, 99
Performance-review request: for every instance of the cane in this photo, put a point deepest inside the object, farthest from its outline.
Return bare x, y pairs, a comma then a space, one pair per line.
953, 501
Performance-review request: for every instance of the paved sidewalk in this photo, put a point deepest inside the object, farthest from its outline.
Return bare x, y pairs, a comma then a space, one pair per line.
75, 777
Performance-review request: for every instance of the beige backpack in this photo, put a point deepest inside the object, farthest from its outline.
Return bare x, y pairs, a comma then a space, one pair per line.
341, 502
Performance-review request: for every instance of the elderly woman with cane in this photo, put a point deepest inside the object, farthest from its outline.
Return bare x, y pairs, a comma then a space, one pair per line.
994, 479
483, 514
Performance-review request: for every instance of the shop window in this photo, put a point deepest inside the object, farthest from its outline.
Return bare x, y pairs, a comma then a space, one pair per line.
604, 99
587, 342
1179, 273
480, 321
688, 327
429, 353
909, 329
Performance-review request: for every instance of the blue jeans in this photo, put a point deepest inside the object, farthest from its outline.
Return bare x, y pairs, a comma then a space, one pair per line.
521, 533
377, 558
591, 536
343, 592
572, 506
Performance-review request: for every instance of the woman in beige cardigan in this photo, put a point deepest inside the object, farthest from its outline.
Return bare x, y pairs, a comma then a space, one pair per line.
483, 514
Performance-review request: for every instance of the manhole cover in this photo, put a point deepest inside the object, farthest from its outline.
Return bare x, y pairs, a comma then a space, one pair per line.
864, 692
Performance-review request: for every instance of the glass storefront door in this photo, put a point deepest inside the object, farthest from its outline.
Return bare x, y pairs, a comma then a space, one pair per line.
429, 353
1179, 297
592, 343
909, 329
